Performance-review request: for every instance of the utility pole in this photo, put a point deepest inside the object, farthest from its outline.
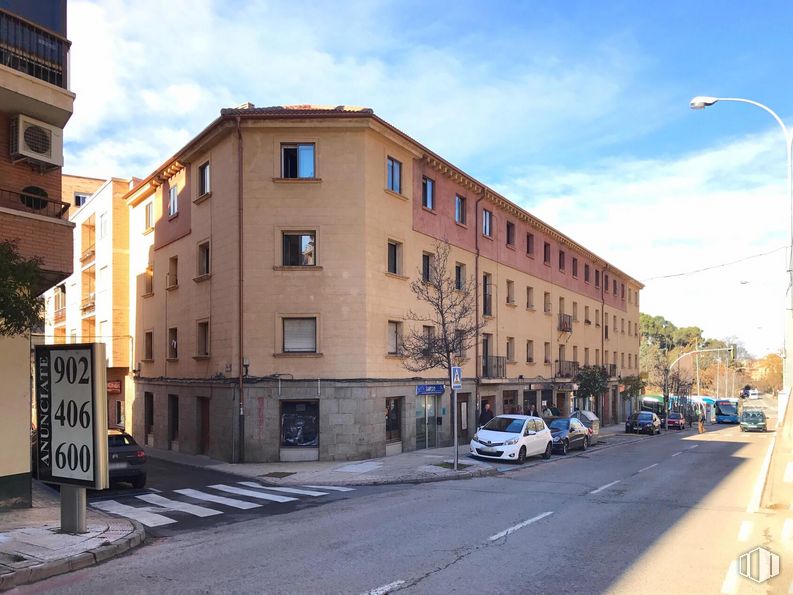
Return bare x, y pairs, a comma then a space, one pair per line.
699, 390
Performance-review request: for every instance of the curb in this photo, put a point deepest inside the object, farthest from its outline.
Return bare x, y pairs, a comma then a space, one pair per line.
39, 572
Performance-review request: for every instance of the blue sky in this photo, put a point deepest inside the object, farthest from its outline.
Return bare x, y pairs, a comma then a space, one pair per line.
578, 111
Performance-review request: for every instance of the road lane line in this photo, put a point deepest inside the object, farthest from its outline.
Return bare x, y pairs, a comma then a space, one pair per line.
251, 493
601, 488
648, 467
385, 589
514, 528
145, 517
198, 495
788, 473
757, 495
251, 484
787, 530
745, 530
199, 511
730, 583
690, 447
334, 488
678, 453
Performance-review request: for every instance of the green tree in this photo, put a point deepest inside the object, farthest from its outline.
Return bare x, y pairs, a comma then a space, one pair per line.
592, 381
20, 307
634, 386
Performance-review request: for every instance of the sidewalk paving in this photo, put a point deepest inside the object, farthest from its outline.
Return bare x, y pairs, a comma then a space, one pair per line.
32, 547
418, 466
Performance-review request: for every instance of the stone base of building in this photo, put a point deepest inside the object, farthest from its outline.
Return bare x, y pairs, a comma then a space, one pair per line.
15, 491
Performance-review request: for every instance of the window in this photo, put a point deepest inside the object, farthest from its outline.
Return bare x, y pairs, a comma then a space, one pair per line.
202, 338
586, 273
459, 210
394, 257
606, 282
530, 244
299, 248
393, 175
394, 337
299, 424
459, 339
597, 357
575, 267
561, 305
622, 359
102, 225
575, 353
148, 345
547, 353
630, 360
586, 356
300, 335
614, 286
546, 253
510, 292
459, 276
426, 267
597, 317
297, 160
529, 351
622, 325
148, 280
614, 361
546, 304
429, 339
622, 290
586, 315
487, 223
173, 272
597, 278
148, 216
629, 328
204, 267
173, 343
615, 323
530, 297
203, 179
119, 413
80, 198
575, 311
487, 292
510, 349
561, 260
173, 201
510, 233
393, 419
428, 193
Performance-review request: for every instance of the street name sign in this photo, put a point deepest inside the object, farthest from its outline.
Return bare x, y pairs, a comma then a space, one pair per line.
71, 411
430, 389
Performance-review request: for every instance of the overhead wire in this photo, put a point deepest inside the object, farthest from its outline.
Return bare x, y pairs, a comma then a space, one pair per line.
716, 266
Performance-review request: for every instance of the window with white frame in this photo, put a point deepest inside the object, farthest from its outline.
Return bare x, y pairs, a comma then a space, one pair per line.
80, 198
394, 337
460, 215
300, 335
530, 297
103, 225
487, 223
173, 343
173, 201
394, 257
510, 349
459, 276
148, 216
203, 179
510, 292
427, 193
297, 160
529, 351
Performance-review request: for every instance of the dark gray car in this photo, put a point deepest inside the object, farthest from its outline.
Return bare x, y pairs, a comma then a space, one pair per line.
127, 461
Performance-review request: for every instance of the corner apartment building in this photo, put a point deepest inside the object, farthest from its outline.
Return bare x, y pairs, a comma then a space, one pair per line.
271, 264
92, 304
35, 104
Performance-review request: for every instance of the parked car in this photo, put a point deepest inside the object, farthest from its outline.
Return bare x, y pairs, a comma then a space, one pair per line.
127, 461
754, 394
512, 438
753, 420
643, 422
676, 420
568, 433
590, 421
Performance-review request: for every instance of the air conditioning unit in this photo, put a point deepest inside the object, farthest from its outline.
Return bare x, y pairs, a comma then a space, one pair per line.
36, 142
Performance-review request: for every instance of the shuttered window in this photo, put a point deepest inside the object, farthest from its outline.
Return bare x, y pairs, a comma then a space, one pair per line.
300, 335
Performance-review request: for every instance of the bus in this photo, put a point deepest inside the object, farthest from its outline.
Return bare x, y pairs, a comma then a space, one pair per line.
654, 404
727, 411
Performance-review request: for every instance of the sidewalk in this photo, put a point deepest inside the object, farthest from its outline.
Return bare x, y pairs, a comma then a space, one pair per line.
32, 547
418, 466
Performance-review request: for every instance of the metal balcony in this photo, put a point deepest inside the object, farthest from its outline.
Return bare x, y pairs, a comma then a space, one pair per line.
494, 366
88, 302
566, 323
30, 203
611, 370
566, 368
32, 50
60, 315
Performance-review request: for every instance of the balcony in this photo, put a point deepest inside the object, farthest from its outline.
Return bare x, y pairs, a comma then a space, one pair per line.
33, 51
611, 370
566, 368
494, 366
88, 303
88, 253
566, 323
36, 205
60, 315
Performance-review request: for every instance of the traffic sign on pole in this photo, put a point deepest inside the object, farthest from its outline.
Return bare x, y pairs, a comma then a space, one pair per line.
457, 378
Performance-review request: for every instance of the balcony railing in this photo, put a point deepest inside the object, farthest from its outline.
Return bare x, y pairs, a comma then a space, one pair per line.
566, 323
611, 370
60, 315
33, 50
88, 253
30, 203
494, 366
566, 368
88, 302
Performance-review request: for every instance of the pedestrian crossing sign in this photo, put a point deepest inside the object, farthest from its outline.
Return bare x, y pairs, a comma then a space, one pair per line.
457, 378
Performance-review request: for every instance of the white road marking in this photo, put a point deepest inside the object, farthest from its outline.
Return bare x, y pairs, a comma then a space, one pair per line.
648, 467
251, 493
199, 511
601, 488
241, 504
519, 526
677, 453
384, 589
142, 515
690, 447
745, 530
788, 473
334, 488
730, 584
155, 490
754, 503
787, 530
251, 484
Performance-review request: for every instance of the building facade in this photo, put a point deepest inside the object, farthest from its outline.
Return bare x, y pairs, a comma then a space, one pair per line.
271, 261
35, 104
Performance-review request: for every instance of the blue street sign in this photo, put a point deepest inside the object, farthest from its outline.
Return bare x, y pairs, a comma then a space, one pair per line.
430, 389
457, 378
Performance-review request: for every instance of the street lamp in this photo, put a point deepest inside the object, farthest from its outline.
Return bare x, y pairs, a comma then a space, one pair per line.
701, 102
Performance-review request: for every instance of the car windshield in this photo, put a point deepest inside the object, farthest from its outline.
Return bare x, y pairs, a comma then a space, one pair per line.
120, 440
726, 408
754, 415
646, 416
675, 416
559, 424
504, 424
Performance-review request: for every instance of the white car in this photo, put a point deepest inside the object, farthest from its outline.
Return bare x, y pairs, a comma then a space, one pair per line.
512, 438
754, 394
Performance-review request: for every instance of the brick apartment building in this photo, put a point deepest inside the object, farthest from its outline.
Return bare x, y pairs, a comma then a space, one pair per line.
270, 264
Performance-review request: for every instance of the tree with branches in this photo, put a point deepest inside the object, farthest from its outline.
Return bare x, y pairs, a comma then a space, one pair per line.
592, 382
20, 306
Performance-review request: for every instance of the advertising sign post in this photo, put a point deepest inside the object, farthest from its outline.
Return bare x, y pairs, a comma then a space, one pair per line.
71, 406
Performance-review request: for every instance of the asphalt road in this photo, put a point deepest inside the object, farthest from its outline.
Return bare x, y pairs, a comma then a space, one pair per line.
660, 514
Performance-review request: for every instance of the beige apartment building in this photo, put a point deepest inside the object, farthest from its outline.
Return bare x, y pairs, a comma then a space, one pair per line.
270, 263
92, 304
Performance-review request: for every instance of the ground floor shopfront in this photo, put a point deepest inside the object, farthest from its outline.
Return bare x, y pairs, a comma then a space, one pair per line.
327, 420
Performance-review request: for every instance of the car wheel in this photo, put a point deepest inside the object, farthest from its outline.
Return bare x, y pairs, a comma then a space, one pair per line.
139, 482
565, 447
585, 445
547, 453
522, 455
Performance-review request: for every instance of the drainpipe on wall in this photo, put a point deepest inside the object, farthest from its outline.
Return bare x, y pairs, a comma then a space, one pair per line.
241, 439
603, 328
477, 367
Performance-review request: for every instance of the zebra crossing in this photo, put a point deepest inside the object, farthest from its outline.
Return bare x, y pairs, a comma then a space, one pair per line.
157, 510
